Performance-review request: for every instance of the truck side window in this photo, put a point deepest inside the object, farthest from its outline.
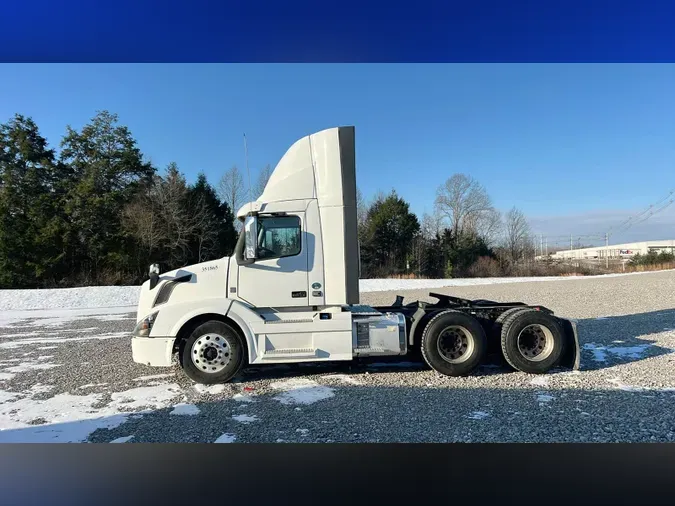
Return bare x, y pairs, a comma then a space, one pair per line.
279, 236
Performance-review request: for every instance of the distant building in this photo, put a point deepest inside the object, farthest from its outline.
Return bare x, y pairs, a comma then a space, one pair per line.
627, 250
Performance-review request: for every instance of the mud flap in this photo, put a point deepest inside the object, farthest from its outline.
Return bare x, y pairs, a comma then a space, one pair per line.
571, 357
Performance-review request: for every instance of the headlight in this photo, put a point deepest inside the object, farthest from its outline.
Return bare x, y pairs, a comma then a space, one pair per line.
145, 325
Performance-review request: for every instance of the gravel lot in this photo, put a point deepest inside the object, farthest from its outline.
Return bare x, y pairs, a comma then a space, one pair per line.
74, 380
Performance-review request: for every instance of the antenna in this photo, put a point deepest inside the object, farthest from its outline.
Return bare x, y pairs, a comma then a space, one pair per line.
250, 195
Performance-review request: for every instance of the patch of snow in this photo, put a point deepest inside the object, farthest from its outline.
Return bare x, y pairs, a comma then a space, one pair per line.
544, 398
50, 317
45, 357
540, 381
245, 418
20, 335
629, 351
185, 409
7, 396
626, 388
631, 388
600, 352
210, 389
156, 397
72, 418
379, 285
47, 347
56, 340
61, 298
30, 367
478, 415
396, 364
152, 377
281, 440
124, 439
5, 376
344, 378
243, 398
303, 432
301, 391
90, 385
226, 438
40, 389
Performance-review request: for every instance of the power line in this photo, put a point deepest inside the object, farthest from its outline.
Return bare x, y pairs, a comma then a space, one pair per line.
634, 220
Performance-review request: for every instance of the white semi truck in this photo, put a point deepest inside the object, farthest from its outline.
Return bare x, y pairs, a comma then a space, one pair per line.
290, 292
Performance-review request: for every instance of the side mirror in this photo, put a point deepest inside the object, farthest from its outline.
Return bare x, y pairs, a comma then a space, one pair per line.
251, 237
154, 275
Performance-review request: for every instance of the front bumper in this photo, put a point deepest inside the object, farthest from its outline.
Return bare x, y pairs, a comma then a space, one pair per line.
152, 351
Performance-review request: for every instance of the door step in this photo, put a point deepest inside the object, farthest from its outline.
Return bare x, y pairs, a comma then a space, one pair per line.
286, 353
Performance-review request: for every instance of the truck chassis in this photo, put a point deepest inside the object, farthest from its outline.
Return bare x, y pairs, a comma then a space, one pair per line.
495, 319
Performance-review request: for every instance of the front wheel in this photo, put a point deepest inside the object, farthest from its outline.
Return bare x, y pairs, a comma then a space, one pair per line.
214, 353
532, 341
453, 343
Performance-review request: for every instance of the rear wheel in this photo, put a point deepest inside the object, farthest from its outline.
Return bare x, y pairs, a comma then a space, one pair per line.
214, 353
453, 343
532, 341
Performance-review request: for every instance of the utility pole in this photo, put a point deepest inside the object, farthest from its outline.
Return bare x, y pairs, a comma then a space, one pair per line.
606, 250
546, 245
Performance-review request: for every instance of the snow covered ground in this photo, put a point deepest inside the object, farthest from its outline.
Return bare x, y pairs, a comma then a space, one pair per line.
66, 375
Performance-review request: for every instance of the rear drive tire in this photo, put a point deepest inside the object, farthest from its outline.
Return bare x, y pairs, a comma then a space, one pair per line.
453, 343
214, 353
532, 341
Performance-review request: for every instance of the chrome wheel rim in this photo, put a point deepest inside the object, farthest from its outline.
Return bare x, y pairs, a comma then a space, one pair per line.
211, 353
535, 342
455, 344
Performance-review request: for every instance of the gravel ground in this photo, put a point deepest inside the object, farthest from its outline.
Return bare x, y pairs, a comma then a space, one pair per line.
75, 381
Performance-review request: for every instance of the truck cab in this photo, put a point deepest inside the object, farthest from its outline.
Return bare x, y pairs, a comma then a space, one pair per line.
290, 291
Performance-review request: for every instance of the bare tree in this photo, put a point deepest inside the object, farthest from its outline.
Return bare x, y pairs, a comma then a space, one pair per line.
431, 225
143, 222
463, 201
517, 234
361, 207
231, 189
263, 178
205, 230
489, 226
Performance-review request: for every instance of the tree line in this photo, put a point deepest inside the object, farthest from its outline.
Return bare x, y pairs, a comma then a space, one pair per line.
98, 212
465, 236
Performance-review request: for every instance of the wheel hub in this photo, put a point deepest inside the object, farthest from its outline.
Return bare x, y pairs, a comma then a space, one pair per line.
454, 344
211, 353
535, 342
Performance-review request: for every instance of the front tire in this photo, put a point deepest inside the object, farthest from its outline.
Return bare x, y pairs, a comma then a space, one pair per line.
453, 343
532, 341
214, 353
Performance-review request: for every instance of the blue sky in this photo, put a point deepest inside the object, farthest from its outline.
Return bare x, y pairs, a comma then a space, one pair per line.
580, 145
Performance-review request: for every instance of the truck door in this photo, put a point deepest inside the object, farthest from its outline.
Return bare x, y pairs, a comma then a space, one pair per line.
279, 277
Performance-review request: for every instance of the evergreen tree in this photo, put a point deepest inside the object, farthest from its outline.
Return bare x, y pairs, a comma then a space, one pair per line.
30, 224
215, 235
106, 171
387, 236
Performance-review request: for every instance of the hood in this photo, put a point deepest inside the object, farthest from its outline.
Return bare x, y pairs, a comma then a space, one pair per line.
206, 279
